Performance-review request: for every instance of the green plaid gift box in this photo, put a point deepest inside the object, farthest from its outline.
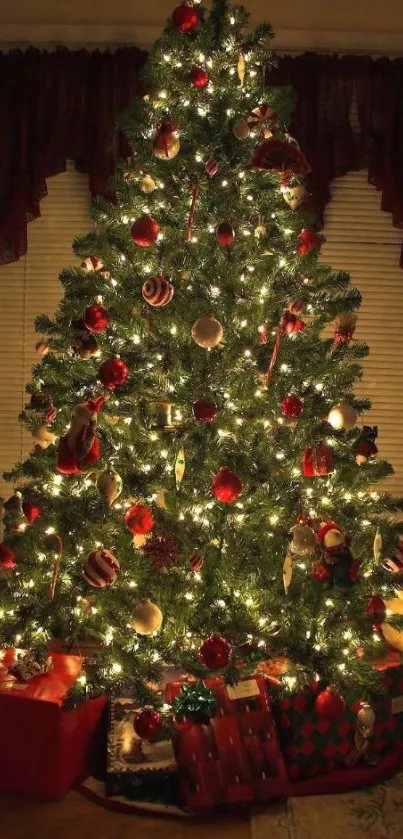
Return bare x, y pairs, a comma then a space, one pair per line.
313, 746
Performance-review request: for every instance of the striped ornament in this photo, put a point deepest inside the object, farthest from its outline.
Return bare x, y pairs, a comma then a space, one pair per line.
157, 291
101, 568
93, 263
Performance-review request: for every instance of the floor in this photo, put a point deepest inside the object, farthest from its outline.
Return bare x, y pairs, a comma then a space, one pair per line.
371, 814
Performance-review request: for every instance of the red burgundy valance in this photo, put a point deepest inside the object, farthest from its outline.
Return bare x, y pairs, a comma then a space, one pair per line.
62, 105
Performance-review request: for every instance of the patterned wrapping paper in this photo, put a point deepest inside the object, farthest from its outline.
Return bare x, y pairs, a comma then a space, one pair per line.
312, 746
143, 770
236, 758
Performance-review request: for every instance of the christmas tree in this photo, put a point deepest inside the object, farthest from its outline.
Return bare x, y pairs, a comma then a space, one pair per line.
200, 494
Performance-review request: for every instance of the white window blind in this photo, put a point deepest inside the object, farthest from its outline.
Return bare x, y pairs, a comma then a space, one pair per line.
29, 287
361, 240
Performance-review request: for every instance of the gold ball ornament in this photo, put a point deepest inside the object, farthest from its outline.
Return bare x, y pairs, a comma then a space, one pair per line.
342, 416
207, 332
240, 129
166, 147
109, 486
146, 617
147, 184
294, 196
43, 437
304, 540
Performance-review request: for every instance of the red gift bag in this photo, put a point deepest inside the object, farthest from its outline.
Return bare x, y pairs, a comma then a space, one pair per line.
235, 759
43, 748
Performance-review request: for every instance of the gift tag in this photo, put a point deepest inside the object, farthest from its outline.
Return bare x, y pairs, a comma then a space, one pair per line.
397, 704
243, 690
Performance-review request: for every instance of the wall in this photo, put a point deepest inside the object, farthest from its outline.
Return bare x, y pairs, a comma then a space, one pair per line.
299, 24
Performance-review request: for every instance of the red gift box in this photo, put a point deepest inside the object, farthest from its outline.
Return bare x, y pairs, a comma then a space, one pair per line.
43, 748
235, 759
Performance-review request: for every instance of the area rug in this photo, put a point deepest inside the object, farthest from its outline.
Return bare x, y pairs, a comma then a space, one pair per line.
372, 813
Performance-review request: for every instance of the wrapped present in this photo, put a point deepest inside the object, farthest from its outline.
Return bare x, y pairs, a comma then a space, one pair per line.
44, 748
141, 770
313, 746
234, 758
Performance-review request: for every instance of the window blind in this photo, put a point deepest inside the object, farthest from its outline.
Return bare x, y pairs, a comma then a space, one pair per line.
29, 287
361, 240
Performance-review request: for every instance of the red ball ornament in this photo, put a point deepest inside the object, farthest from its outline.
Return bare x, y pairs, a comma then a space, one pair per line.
215, 652
147, 723
204, 411
31, 512
144, 231
96, 318
139, 519
317, 460
101, 568
184, 18
376, 609
308, 240
196, 562
113, 372
7, 556
198, 77
329, 705
225, 234
157, 291
226, 486
292, 406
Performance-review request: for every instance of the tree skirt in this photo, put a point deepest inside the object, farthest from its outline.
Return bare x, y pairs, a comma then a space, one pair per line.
332, 787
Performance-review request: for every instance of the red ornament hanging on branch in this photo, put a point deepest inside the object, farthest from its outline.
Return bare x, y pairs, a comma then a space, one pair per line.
196, 562
157, 291
198, 77
101, 568
31, 511
329, 705
139, 519
96, 318
376, 610
184, 18
204, 411
7, 557
317, 460
308, 240
145, 231
113, 372
215, 652
211, 167
226, 486
147, 723
292, 406
225, 234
